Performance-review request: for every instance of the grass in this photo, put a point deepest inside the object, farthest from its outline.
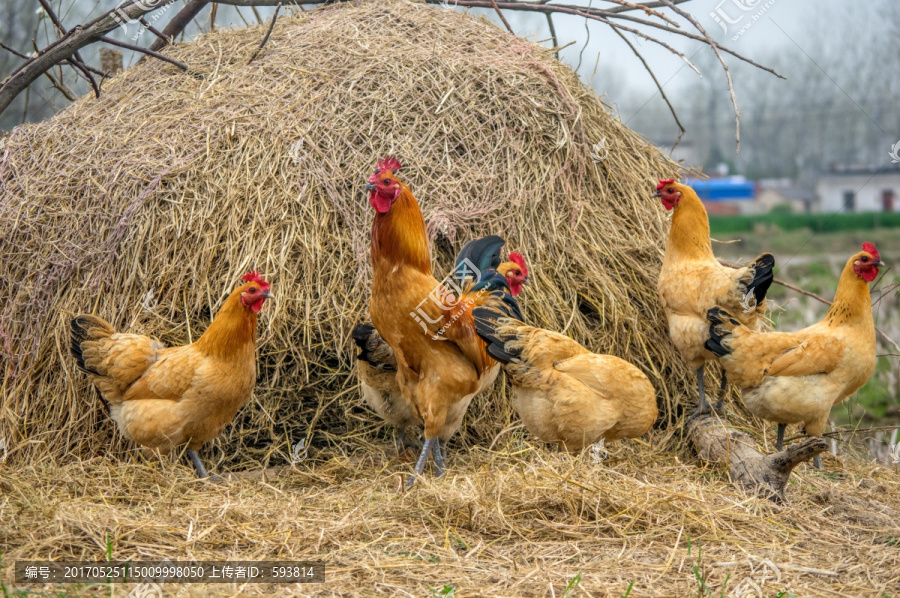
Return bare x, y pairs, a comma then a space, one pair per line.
819, 223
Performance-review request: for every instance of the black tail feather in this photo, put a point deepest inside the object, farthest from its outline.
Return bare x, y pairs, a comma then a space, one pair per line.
487, 323
79, 333
763, 276
368, 341
717, 316
483, 253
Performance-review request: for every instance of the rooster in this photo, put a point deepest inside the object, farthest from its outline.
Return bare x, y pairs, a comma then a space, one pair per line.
564, 393
441, 362
376, 364
796, 377
162, 397
692, 281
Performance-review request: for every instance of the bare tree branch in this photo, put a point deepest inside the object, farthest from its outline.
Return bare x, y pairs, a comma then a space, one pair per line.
76, 61
502, 18
61, 49
177, 25
715, 47
156, 55
657, 83
553, 34
268, 33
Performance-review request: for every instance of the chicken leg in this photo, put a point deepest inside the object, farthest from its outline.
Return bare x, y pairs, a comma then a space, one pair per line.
198, 465
779, 442
720, 405
427, 448
438, 457
704, 406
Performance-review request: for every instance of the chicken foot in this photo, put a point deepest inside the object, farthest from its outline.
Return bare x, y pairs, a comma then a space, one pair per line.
198, 465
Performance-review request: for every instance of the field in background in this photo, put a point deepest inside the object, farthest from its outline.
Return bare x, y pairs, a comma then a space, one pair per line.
821, 223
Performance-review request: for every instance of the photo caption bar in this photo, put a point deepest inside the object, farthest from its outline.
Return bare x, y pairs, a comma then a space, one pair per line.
169, 572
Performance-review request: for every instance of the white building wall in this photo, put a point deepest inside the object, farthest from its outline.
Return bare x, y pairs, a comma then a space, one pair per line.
867, 191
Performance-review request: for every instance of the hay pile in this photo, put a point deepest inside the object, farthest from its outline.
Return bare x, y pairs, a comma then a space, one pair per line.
147, 205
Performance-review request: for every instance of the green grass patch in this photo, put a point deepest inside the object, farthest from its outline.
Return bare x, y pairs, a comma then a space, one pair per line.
834, 222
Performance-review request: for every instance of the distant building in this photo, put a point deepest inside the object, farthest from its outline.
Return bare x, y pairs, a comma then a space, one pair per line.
786, 192
859, 189
726, 196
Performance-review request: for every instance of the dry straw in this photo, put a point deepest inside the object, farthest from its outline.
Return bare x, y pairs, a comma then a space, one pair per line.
147, 205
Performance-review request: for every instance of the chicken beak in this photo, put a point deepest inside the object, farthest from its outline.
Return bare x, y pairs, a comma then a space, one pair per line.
369, 187
657, 193
526, 281
267, 294
879, 264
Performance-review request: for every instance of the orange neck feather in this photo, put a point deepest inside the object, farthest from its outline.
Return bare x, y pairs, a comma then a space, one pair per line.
852, 302
399, 236
232, 330
689, 233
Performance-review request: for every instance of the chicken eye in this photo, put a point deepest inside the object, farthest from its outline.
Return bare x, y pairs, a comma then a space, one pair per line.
253, 290
518, 273
387, 181
865, 259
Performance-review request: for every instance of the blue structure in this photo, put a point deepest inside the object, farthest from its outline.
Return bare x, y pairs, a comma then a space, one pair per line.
730, 189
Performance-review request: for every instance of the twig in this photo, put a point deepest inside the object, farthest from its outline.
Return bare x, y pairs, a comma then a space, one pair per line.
14, 51
76, 61
502, 18
268, 33
177, 25
148, 52
656, 81
553, 34
153, 30
715, 48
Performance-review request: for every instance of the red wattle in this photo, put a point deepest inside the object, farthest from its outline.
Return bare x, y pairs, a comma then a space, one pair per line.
381, 204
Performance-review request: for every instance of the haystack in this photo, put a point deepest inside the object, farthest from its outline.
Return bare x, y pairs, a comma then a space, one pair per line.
145, 207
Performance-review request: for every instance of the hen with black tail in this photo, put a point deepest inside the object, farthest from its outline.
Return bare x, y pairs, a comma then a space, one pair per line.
564, 393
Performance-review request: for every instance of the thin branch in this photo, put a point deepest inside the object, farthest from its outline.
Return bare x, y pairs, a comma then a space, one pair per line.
177, 25
148, 52
553, 34
159, 35
76, 61
715, 47
14, 51
656, 82
81, 68
502, 18
268, 33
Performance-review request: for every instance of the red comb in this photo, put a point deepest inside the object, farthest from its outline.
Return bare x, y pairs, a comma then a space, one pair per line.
254, 276
870, 247
518, 258
388, 163
663, 183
